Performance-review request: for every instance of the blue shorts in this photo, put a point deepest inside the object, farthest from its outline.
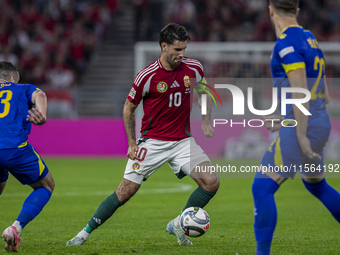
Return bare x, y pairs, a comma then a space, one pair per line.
285, 151
25, 164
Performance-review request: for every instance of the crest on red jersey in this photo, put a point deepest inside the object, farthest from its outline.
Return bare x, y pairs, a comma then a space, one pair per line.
136, 166
162, 87
186, 80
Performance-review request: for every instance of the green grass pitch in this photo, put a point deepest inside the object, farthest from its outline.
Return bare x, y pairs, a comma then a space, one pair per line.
304, 225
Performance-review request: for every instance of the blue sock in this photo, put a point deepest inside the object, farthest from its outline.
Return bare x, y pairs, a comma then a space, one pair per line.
263, 189
33, 205
327, 195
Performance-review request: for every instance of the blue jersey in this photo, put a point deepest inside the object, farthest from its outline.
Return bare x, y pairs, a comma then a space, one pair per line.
15, 101
297, 48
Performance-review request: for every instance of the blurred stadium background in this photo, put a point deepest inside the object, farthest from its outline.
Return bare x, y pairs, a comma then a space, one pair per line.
85, 54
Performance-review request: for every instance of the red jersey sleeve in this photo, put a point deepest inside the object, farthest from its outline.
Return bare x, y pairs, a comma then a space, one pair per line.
135, 94
141, 84
196, 66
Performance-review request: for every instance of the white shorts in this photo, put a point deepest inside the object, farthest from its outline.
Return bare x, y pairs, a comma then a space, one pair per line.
154, 153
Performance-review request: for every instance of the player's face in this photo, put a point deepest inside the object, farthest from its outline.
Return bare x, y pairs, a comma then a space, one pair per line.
175, 52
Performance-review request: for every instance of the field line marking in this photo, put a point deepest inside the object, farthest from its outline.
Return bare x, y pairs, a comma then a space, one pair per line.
178, 189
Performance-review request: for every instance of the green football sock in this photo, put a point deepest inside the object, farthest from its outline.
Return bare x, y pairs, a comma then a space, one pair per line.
104, 211
199, 198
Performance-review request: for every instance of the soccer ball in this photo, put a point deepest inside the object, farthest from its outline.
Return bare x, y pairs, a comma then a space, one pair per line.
195, 221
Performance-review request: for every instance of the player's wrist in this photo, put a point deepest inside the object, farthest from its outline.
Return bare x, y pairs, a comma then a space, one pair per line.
132, 142
206, 122
300, 135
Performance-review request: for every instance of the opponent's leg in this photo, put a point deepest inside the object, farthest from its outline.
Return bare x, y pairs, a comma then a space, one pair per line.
32, 206
106, 209
36, 201
324, 192
263, 189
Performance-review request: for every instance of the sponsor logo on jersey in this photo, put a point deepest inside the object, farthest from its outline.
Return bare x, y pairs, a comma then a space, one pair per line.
186, 80
162, 87
174, 85
286, 51
136, 166
132, 93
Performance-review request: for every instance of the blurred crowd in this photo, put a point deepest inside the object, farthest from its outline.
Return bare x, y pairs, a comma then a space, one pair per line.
51, 42
232, 20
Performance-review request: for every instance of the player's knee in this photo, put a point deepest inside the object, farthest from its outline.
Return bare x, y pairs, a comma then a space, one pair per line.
255, 188
51, 186
262, 187
211, 184
124, 196
216, 184
126, 190
315, 188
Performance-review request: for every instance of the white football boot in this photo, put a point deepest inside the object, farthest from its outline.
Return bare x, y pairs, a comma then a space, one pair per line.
12, 238
77, 240
178, 232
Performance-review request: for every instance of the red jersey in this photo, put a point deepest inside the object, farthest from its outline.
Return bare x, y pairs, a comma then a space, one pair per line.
166, 98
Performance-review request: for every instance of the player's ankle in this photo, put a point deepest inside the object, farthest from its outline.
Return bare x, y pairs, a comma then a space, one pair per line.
18, 227
83, 234
177, 221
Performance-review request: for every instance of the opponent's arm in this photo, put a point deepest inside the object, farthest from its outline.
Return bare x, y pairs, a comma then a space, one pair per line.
206, 126
38, 115
297, 79
129, 124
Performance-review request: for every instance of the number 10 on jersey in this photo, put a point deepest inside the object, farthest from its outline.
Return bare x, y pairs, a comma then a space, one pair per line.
175, 99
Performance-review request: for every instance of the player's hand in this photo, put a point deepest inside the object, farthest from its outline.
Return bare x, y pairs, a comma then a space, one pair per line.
272, 123
307, 149
132, 151
207, 130
36, 117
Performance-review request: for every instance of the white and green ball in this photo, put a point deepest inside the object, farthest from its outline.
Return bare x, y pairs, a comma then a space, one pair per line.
195, 221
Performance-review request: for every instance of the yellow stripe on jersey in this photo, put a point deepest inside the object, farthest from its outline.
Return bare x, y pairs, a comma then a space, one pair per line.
294, 66
278, 157
22, 145
41, 164
286, 122
289, 27
273, 142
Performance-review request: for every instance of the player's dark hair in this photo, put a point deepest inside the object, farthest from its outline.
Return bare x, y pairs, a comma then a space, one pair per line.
285, 6
7, 69
173, 32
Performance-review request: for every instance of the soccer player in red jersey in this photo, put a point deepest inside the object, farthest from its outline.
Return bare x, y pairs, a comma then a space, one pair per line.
165, 88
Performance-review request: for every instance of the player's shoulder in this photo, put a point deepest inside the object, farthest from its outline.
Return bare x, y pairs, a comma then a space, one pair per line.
291, 36
192, 63
147, 72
